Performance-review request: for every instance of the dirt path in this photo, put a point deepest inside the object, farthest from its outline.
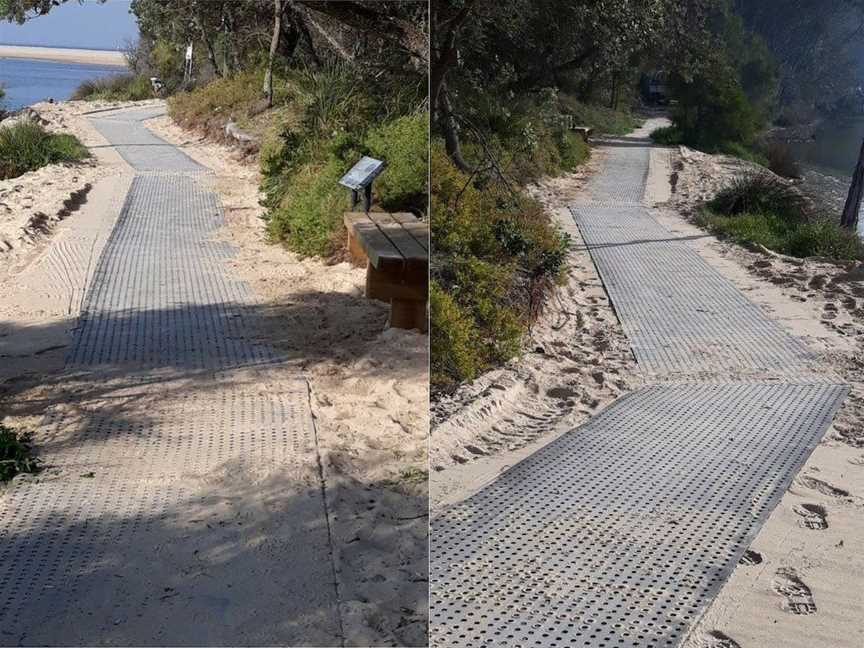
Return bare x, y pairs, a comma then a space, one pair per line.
623, 531
189, 496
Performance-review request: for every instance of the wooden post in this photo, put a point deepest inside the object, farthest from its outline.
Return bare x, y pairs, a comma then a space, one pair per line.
856, 193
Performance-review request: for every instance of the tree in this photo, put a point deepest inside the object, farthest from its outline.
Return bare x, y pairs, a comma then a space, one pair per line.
274, 46
21, 11
849, 219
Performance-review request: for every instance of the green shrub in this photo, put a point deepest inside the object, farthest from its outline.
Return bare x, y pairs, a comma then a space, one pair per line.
404, 144
310, 212
714, 111
218, 100
15, 454
572, 149
454, 354
603, 120
26, 146
803, 238
331, 98
494, 252
120, 87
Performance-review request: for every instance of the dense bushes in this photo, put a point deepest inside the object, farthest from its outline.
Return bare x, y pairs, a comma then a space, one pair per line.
494, 254
404, 144
209, 107
761, 209
336, 125
26, 146
119, 87
322, 120
495, 251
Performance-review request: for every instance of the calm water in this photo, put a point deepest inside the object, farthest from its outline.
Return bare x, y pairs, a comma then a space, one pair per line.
27, 81
829, 161
835, 149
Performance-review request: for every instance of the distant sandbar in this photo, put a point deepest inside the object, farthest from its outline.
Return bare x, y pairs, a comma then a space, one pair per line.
62, 55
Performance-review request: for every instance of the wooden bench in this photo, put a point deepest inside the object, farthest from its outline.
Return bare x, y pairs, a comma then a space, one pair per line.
570, 124
395, 248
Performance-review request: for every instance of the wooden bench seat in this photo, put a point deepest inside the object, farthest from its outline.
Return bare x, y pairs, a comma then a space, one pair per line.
395, 248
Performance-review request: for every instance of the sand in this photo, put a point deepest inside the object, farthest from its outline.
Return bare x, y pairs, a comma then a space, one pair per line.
63, 55
369, 386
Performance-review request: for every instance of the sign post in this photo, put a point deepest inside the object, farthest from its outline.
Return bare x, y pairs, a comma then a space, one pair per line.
360, 177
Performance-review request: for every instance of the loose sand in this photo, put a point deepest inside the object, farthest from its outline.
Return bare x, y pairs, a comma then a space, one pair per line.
63, 55
369, 386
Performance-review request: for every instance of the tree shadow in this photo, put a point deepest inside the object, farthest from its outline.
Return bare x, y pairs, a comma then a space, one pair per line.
119, 366
236, 558
152, 542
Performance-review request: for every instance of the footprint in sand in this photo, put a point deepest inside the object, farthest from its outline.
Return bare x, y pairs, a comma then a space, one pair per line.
717, 639
823, 487
813, 516
750, 558
798, 597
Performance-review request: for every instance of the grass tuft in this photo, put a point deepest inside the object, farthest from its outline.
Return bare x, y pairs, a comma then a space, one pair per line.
27, 146
763, 210
760, 193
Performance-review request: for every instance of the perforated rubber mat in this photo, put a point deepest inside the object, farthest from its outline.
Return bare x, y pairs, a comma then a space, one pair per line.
620, 532
143, 150
160, 295
680, 314
182, 503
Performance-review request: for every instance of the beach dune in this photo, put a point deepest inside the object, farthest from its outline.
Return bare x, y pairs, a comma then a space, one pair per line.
63, 55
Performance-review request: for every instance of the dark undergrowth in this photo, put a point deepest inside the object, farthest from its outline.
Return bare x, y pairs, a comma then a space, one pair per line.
15, 454
496, 253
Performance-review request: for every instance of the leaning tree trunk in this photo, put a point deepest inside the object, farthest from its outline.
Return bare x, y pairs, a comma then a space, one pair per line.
856, 192
274, 46
451, 134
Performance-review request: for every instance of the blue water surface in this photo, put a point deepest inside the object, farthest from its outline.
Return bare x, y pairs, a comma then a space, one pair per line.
28, 81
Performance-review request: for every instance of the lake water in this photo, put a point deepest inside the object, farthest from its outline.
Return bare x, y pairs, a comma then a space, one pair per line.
835, 149
28, 81
829, 160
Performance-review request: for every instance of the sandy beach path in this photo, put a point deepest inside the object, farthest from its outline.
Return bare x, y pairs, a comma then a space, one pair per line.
622, 532
183, 499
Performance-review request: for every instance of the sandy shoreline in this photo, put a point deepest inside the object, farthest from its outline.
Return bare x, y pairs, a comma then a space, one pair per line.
63, 55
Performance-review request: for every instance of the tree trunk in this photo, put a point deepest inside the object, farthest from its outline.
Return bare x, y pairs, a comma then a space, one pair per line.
451, 135
211, 54
274, 46
856, 192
